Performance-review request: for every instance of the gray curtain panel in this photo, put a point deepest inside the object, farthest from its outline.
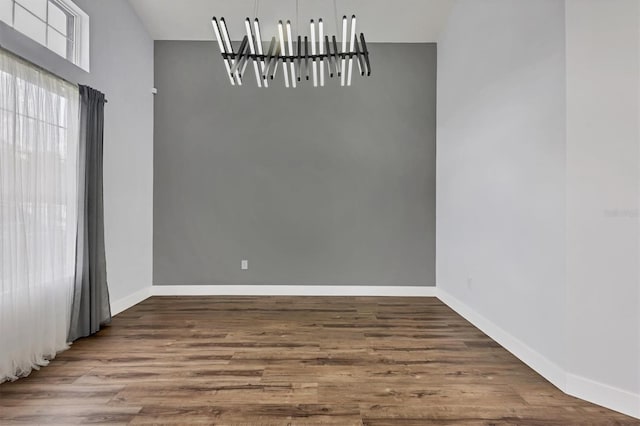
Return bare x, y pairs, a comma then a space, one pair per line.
91, 307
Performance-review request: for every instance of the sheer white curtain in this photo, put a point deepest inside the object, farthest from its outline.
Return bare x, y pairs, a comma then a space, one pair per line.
38, 214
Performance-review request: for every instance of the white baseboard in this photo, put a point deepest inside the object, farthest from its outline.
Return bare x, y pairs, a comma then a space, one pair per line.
546, 368
595, 392
129, 301
292, 290
264, 290
601, 394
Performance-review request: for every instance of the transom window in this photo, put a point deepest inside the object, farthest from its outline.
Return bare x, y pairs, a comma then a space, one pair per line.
59, 25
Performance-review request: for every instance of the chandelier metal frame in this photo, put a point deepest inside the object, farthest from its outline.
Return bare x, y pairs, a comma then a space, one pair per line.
309, 59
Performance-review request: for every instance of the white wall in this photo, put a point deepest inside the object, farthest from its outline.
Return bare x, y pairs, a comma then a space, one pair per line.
501, 164
603, 188
122, 68
539, 186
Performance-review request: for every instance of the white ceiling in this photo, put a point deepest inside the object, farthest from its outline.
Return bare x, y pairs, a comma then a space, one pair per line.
380, 20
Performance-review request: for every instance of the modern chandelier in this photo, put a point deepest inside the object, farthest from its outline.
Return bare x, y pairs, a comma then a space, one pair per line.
306, 60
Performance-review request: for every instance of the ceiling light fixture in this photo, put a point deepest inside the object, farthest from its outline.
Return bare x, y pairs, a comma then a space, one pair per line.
281, 49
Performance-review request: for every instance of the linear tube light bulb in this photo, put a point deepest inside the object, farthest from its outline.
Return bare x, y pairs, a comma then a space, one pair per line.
275, 61
336, 60
299, 69
344, 50
313, 53
283, 52
291, 54
227, 42
306, 57
321, 49
241, 57
351, 47
216, 30
252, 49
256, 26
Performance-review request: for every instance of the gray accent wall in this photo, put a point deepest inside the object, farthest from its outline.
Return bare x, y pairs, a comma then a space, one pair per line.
313, 186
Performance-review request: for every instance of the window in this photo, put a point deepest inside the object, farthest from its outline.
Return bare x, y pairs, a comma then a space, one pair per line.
39, 146
59, 25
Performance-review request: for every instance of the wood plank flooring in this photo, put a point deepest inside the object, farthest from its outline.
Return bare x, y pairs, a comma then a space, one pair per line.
292, 360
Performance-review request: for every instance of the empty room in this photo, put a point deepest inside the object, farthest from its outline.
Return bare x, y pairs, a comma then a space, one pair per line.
309, 212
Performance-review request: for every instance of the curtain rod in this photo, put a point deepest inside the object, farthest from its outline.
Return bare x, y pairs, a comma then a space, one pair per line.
41, 68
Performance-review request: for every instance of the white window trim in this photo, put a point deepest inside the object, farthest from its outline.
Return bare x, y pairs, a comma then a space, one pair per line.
81, 35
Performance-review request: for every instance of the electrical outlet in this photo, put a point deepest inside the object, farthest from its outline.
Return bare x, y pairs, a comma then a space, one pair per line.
469, 282
244, 265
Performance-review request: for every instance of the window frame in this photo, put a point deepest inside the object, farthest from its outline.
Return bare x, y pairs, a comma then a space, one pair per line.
70, 36
78, 44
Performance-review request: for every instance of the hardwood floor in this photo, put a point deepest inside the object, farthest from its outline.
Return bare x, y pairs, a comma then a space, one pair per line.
292, 360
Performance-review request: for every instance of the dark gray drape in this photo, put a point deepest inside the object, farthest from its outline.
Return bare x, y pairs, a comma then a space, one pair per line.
91, 307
